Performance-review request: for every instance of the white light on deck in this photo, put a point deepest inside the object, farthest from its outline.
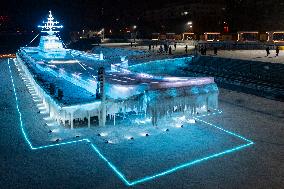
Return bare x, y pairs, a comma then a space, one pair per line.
55, 130
191, 121
64, 61
103, 134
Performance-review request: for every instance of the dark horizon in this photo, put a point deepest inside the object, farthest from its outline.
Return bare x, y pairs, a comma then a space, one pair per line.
207, 15
75, 14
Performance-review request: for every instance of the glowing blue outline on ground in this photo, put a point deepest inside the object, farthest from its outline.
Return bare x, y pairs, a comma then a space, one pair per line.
113, 167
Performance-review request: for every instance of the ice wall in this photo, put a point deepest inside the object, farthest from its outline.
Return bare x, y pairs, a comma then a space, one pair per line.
158, 103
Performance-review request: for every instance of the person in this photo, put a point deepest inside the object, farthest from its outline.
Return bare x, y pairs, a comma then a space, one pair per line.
170, 50
186, 49
161, 49
267, 51
166, 48
131, 44
201, 50
150, 47
215, 50
175, 45
277, 50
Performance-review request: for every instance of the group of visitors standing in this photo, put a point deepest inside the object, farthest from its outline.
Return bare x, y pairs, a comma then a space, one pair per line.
203, 50
163, 48
277, 49
168, 49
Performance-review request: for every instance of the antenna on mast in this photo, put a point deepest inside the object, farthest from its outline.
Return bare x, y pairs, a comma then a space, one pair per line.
50, 27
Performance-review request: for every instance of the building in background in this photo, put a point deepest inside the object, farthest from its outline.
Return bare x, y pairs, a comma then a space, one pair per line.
203, 15
255, 15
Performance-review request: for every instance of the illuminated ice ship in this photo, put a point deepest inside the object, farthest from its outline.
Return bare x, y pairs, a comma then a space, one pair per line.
50, 46
79, 87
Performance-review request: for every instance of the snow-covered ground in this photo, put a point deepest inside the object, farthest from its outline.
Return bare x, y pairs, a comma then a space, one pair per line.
77, 165
254, 55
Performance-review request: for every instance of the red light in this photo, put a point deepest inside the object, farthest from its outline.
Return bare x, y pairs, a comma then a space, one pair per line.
226, 29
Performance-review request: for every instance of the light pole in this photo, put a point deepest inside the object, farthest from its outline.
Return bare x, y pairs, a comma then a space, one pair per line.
103, 33
189, 24
134, 32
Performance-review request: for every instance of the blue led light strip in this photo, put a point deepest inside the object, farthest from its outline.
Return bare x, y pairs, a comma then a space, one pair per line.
120, 175
21, 122
182, 166
210, 114
229, 132
114, 168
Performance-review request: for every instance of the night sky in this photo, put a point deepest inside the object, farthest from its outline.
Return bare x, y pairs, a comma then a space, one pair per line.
76, 14
120, 15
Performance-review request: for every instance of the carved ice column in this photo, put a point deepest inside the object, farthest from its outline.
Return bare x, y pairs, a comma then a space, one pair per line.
64, 117
49, 109
114, 119
102, 114
89, 119
207, 103
71, 120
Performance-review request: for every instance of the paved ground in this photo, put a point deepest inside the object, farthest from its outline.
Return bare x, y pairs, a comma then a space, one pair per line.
76, 166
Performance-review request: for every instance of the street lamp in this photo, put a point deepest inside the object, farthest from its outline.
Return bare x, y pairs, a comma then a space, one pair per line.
189, 24
103, 33
134, 32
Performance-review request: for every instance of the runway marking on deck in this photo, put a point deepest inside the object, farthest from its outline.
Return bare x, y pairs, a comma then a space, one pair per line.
112, 166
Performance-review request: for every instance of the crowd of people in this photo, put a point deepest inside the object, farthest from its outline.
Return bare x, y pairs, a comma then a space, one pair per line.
167, 48
277, 49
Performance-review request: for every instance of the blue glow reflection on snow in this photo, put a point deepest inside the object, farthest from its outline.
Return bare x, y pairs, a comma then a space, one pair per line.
114, 168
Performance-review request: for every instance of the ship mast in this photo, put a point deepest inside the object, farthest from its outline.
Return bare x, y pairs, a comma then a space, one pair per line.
50, 27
